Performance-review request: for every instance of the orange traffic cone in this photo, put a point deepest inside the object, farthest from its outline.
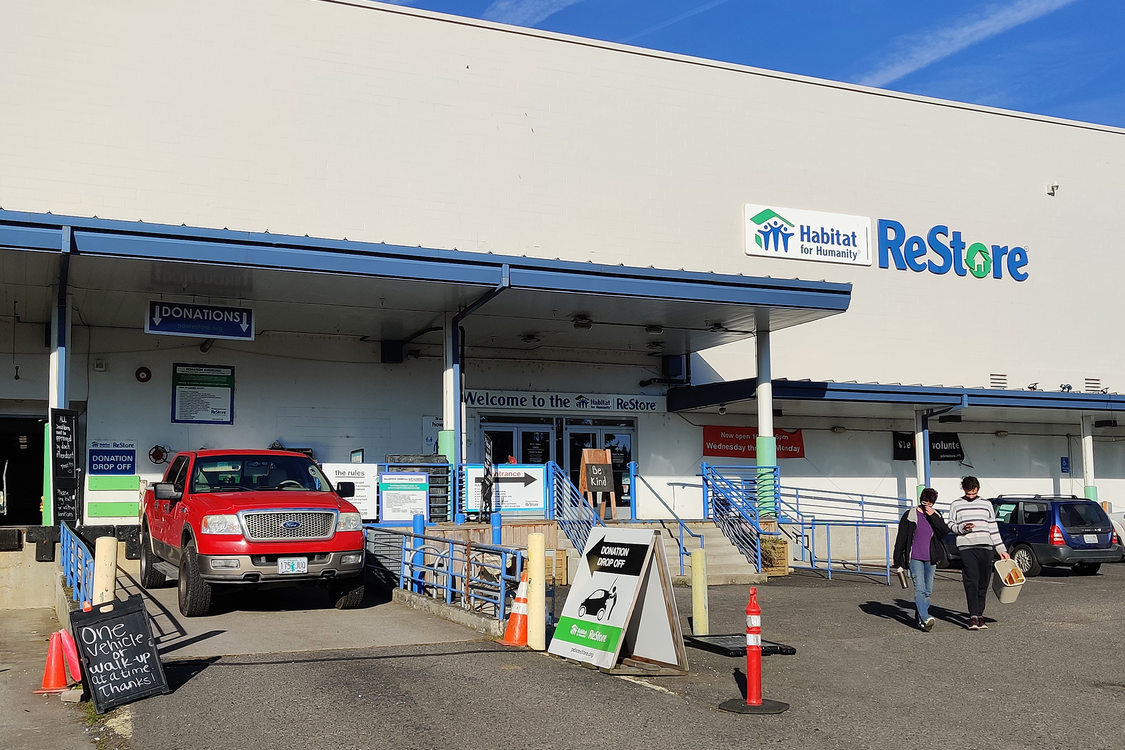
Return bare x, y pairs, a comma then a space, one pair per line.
54, 673
70, 651
516, 633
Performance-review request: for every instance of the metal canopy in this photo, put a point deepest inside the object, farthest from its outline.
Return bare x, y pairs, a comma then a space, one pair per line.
391, 292
875, 400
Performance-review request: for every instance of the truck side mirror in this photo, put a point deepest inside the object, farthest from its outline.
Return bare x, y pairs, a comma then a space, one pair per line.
345, 489
166, 491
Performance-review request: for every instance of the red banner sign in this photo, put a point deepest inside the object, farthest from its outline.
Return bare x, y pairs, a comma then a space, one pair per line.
740, 442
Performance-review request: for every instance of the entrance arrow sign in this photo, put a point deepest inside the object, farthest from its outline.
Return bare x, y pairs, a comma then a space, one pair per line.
525, 480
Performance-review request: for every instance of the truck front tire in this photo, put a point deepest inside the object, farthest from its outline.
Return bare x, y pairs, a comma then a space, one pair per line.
194, 593
348, 593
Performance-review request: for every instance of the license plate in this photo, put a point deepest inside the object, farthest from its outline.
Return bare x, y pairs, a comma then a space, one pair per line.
292, 565
1090, 538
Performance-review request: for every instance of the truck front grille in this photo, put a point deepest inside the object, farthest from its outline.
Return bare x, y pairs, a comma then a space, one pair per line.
288, 525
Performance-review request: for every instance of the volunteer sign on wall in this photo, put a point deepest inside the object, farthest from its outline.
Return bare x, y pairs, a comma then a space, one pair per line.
621, 603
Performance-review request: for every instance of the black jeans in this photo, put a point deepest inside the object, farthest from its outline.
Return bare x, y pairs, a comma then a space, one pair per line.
976, 564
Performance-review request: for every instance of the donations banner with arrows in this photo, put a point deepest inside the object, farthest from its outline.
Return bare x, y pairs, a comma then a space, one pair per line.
621, 605
516, 488
200, 321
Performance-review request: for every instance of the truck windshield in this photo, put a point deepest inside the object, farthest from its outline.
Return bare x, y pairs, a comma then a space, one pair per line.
243, 473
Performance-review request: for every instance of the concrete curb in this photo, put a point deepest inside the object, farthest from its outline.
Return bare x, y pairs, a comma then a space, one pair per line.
482, 624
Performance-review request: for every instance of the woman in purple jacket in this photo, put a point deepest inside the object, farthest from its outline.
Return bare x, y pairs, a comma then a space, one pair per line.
918, 546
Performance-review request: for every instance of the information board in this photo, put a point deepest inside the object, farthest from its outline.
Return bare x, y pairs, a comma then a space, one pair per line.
202, 394
366, 480
112, 457
403, 495
120, 662
64, 466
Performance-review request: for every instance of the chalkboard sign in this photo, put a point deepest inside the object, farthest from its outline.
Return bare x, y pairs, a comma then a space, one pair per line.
64, 466
120, 663
64, 461
599, 477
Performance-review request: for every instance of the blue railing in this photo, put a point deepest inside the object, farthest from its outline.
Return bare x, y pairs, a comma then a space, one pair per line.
733, 497
811, 518
77, 563
846, 506
684, 552
572, 512
477, 577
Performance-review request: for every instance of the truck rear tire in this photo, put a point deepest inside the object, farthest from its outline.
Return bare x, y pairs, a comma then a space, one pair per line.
151, 578
194, 594
347, 594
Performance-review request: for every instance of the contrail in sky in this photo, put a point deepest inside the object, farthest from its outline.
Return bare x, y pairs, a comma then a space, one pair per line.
917, 51
524, 12
675, 19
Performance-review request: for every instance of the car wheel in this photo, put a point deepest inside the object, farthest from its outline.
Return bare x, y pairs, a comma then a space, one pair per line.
347, 594
151, 578
582, 610
194, 594
1086, 569
600, 613
1026, 561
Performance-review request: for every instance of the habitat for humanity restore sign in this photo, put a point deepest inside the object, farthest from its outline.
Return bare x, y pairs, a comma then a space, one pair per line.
807, 235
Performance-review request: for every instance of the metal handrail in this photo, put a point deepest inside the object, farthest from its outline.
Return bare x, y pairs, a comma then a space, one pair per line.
683, 526
477, 577
77, 563
809, 530
733, 504
840, 505
571, 511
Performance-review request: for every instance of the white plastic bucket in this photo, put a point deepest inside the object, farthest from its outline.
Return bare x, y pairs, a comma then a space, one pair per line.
1007, 581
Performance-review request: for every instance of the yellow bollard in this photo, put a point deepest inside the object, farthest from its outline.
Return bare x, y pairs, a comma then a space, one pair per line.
700, 624
536, 592
105, 570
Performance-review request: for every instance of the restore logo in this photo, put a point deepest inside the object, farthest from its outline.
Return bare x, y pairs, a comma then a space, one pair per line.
948, 252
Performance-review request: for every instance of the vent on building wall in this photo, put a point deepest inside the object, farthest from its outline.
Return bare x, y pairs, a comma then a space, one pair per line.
997, 380
1093, 385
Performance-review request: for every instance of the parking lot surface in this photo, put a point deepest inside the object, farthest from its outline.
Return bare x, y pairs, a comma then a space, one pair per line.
1047, 674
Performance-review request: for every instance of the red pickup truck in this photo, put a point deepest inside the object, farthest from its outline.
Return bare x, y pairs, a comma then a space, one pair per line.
247, 517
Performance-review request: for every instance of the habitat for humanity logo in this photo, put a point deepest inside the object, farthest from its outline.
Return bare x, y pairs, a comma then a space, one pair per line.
807, 235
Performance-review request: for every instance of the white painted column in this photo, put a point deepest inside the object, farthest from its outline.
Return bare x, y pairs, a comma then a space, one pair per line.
919, 453
1090, 488
59, 375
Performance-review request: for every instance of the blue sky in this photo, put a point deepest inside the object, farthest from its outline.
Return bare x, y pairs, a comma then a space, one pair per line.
1062, 58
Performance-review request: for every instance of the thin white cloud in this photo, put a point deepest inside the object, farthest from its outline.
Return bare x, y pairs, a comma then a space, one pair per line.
524, 12
675, 19
917, 51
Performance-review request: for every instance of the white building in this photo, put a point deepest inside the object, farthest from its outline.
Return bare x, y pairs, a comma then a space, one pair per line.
368, 180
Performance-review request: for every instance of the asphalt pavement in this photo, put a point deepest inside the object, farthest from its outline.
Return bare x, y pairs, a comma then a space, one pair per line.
1046, 674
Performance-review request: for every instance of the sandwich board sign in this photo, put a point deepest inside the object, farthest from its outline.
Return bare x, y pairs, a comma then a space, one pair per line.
621, 604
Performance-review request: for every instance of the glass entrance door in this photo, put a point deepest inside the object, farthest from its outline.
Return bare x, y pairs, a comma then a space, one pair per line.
618, 438
521, 444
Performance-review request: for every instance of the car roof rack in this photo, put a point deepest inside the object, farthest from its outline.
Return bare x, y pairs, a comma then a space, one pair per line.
1036, 497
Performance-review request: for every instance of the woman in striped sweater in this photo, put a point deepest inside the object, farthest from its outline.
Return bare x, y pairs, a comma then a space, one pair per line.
973, 521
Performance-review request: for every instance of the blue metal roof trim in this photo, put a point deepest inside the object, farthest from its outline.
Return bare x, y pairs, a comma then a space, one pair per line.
712, 394
109, 237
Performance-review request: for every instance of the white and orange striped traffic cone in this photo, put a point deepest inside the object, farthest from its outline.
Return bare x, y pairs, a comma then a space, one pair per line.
516, 632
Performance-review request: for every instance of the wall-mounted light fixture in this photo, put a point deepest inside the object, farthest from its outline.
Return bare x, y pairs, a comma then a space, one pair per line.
1001, 433
206, 345
1033, 387
654, 329
838, 428
722, 409
582, 322
530, 338
1052, 188
1066, 387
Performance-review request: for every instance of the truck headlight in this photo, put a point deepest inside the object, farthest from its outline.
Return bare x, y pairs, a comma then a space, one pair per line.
349, 522
220, 525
